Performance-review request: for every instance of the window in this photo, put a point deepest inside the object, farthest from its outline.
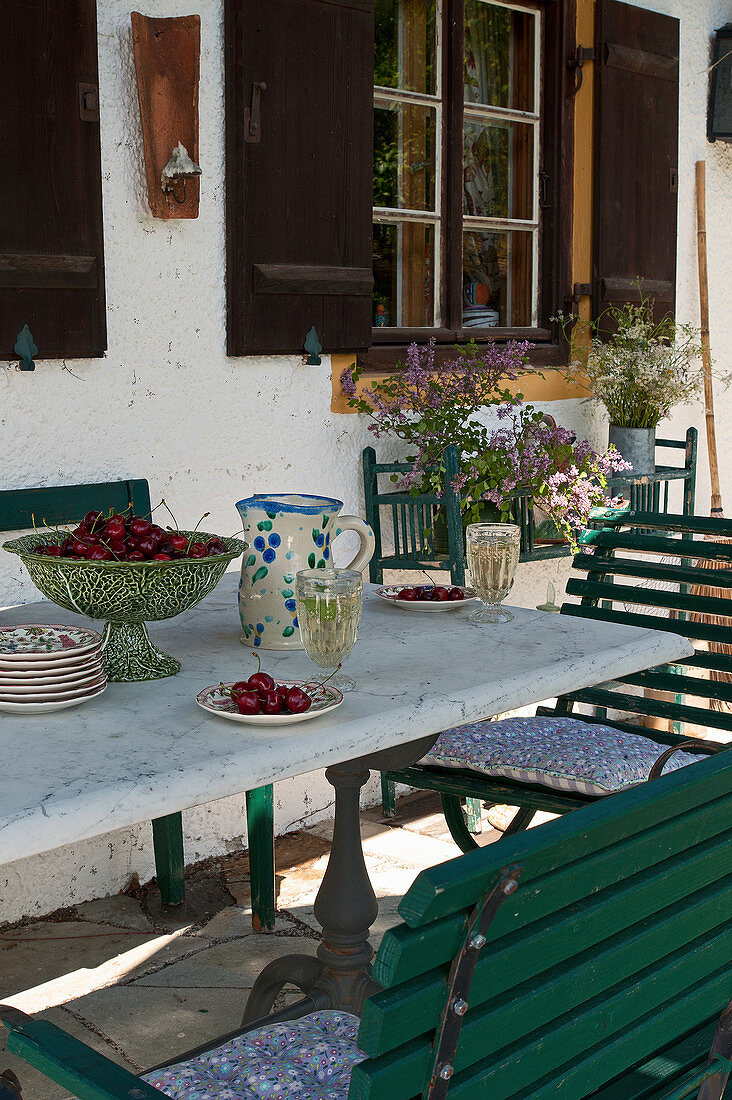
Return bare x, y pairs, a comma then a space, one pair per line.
465, 102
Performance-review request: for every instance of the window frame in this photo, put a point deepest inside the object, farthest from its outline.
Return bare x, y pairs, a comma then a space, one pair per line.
555, 180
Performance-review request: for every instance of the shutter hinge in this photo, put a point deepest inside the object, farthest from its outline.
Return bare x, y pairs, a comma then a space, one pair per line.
584, 53
89, 103
252, 119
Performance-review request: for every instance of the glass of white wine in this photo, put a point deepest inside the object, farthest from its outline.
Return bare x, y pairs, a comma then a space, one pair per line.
328, 613
493, 554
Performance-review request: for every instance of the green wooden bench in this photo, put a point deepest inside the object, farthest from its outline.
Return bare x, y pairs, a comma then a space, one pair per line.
61, 504
591, 957
662, 554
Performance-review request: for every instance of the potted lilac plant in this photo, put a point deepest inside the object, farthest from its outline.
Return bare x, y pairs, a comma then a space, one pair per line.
431, 407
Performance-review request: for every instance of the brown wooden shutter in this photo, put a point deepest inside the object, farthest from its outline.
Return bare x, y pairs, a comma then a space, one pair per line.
636, 156
299, 173
51, 236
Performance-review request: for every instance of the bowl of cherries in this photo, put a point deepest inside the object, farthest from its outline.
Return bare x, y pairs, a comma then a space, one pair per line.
129, 571
426, 597
261, 700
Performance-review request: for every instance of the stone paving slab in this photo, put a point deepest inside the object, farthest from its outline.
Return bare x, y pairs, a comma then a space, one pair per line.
234, 964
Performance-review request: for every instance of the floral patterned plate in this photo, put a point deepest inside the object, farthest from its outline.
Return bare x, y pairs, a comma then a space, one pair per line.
51, 674
45, 664
215, 702
390, 593
48, 708
41, 640
44, 692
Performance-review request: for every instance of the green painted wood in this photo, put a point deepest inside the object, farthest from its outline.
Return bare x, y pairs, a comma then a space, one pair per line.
703, 525
452, 808
75, 1066
651, 597
404, 950
654, 993
670, 797
659, 708
62, 504
539, 986
695, 631
449, 781
650, 570
684, 547
169, 858
260, 836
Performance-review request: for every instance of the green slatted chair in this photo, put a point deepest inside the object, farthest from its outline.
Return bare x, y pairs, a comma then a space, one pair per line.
58, 504
589, 958
638, 568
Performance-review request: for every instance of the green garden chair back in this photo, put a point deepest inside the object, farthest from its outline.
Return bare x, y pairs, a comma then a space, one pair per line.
588, 958
60, 504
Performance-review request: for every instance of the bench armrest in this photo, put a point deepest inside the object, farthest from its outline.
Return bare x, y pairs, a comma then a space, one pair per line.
71, 1063
690, 1085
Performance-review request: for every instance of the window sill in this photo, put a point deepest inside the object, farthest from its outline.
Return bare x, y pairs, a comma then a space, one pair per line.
391, 345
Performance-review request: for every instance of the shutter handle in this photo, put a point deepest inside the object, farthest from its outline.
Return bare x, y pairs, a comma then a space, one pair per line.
252, 122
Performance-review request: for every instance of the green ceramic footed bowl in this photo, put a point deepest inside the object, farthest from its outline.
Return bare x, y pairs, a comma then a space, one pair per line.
126, 594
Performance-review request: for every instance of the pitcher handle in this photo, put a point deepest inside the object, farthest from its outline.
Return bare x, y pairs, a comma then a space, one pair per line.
364, 532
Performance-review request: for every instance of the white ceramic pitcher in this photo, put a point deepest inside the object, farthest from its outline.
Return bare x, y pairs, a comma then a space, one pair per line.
287, 532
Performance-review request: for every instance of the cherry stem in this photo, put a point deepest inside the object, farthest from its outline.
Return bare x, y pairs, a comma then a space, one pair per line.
164, 504
190, 541
428, 577
259, 660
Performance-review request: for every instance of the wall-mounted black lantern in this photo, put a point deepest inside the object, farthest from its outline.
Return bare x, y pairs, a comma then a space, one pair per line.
719, 112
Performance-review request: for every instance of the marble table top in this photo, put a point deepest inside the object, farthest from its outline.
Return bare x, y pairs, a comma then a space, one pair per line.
144, 750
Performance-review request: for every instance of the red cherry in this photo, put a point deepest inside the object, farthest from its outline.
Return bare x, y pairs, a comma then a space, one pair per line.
117, 547
134, 555
272, 703
40, 549
239, 687
198, 550
140, 527
439, 594
147, 545
158, 534
261, 681
81, 548
91, 519
282, 690
177, 541
215, 546
455, 594
53, 551
99, 553
161, 557
298, 700
423, 591
67, 546
115, 528
81, 532
406, 594
248, 703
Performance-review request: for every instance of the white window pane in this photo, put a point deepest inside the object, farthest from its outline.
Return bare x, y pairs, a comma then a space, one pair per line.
498, 275
499, 56
498, 170
404, 157
404, 273
405, 55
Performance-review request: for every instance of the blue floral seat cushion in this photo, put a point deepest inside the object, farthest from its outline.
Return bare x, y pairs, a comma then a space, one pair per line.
306, 1059
566, 754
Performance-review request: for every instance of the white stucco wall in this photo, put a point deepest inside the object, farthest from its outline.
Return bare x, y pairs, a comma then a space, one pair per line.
167, 404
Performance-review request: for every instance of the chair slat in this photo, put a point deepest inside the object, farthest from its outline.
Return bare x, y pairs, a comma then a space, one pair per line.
650, 570
666, 679
694, 549
659, 708
688, 976
706, 632
60, 504
675, 895
651, 597
703, 525
436, 892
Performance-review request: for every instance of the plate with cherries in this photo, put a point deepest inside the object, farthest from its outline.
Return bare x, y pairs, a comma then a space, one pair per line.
263, 701
426, 597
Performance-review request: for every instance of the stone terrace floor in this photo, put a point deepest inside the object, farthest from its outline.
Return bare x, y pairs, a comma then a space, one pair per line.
142, 984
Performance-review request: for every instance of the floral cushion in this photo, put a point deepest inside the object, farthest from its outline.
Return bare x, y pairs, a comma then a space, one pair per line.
564, 753
307, 1059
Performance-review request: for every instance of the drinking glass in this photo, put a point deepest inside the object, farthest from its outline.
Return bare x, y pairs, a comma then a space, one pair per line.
493, 554
328, 612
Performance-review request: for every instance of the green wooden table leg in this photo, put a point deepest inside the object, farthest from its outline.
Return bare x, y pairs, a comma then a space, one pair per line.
260, 833
388, 795
169, 862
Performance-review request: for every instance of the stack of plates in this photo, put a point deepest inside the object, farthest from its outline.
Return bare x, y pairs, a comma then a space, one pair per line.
46, 668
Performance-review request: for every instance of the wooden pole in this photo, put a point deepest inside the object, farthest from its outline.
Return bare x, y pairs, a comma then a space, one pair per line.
701, 241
